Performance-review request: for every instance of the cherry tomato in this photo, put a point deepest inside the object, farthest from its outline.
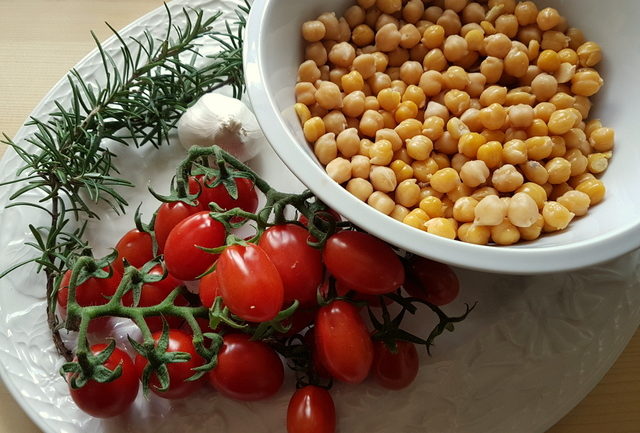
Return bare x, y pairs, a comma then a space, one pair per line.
299, 265
183, 258
247, 370
431, 281
104, 400
343, 344
134, 246
168, 216
209, 289
311, 410
363, 262
395, 370
168, 283
247, 195
178, 371
249, 283
153, 295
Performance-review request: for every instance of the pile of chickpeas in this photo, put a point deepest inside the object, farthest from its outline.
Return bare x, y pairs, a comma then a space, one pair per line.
468, 120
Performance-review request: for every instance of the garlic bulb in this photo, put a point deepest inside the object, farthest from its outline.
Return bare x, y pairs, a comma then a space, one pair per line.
224, 121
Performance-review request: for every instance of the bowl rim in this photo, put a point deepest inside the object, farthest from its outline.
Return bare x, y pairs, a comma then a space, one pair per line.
489, 258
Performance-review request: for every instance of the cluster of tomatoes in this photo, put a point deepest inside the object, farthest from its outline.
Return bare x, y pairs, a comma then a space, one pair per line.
256, 280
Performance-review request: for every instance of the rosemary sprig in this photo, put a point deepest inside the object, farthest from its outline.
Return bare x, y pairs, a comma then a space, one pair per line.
146, 89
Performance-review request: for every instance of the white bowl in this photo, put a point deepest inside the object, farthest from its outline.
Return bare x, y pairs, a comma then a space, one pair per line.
273, 52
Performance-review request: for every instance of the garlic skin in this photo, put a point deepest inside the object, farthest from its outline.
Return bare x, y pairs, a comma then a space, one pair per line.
224, 121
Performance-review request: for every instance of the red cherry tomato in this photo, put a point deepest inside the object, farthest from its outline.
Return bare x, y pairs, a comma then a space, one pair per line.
249, 283
343, 344
168, 216
363, 262
134, 246
247, 370
311, 410
209, 289
168, 283
104, 400
178, 371
395, 370
431, 281
153, 295
300, 319
299, 265
183, 258
247, 195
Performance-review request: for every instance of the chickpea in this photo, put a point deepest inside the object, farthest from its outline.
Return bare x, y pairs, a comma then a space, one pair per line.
526, 13
497, 45
548, 18
434, 60
474, 173
457, 101
601, 139
589, 54
483, 192
331, 24
328, 95
507, 178
586, 82
362, 35
474, 234
493, 117
419, 147
353, 104
516, 63
521, 116
381, 152
559, 170
383, 179
471, 118
505, 233
535, 191
507, 24
308, 71
433, 127
576, 202
556, 215
446, 144
455, 78
445, 180
493, 95
313, 31
402, 170
313, 129
554, 40
381, 202
325, 148
535, 172
450, 21
335, 122
416, 218
469, 144
442, 227
455, 48
360, 166
476, 84
361, 188
407, 193
490, 211
388, 38
561, 121
371, 122
392, 136
544, 86
492, 68
406, 110
414, 94
339, 170
408, 128
539, 148
413, 11
491, 154
305, 93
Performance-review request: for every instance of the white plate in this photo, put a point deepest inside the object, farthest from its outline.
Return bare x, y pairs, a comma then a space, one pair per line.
531, 350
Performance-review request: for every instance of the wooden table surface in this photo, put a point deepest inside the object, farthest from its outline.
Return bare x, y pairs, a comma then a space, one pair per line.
41, 40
